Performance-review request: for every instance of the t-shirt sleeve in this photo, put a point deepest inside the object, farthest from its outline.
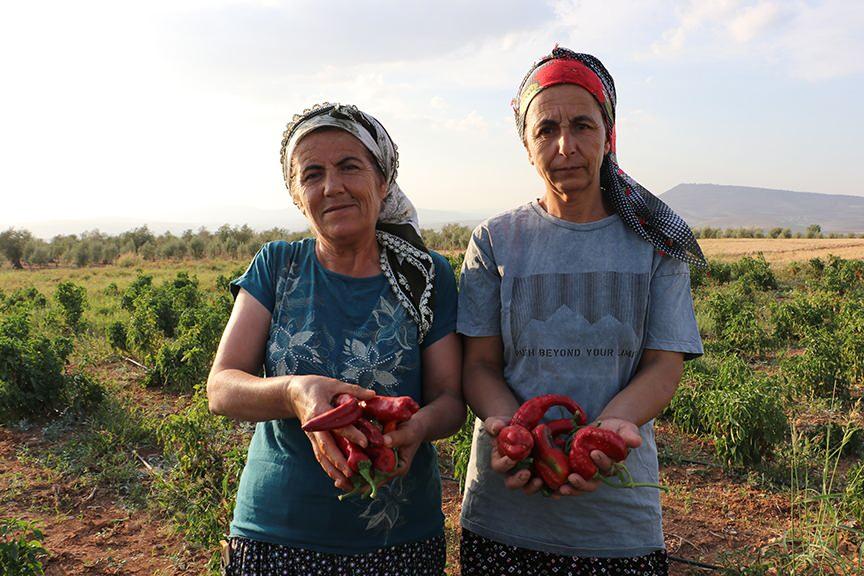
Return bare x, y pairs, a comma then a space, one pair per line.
671, 319
260, 277
479, 288
444, 320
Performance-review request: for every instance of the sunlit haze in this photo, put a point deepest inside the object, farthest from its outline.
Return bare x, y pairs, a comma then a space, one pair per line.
165, 109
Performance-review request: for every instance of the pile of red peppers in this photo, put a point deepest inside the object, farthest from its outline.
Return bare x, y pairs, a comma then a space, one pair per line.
555, 449
374, 465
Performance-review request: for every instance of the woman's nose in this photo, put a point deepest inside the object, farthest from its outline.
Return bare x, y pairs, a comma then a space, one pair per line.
566, 143
332, 183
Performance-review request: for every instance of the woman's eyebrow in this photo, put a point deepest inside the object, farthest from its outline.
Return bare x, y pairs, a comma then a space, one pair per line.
348, 159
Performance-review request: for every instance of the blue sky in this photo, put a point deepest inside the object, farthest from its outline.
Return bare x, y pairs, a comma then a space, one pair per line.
152, 109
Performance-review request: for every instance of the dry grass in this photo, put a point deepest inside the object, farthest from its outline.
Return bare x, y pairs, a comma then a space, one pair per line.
783, 251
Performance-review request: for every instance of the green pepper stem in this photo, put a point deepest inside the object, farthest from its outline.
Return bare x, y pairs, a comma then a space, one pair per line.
365, 470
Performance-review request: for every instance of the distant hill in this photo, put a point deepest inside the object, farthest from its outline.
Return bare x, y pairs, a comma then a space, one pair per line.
743, 206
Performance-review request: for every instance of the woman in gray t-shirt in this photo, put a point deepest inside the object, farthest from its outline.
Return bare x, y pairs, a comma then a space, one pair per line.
583, 292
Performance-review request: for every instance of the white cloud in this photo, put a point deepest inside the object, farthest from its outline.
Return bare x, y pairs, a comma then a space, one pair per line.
753, 21
810, 41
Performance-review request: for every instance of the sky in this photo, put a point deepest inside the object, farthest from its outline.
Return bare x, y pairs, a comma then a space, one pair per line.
154, 109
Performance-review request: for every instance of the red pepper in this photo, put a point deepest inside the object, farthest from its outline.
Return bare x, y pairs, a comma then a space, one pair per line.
550, 462
387, 408
515, 442
594, 438
560, 429
581, 463
346, 412
371, 431
531, 412
390, 426
358, 461
383, 459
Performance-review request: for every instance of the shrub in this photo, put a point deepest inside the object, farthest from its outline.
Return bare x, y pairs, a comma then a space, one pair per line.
842, 276
21, 548
31, 369
801, 313
207, 455
117, 335
180, 363
755, 273
740, 411
736, 322
820, 370
456, 261
719, 272
73, 300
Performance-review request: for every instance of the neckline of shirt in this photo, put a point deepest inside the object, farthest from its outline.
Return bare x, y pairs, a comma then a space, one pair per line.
336, 275
579, 226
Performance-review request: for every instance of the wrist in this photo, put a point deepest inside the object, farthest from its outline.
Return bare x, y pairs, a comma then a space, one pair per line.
421, 421
288, 385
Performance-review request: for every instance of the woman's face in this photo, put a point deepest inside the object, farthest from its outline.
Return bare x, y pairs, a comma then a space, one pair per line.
566, 140
339, 186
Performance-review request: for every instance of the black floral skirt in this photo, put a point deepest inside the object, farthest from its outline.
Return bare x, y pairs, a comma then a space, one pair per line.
253, 558
484, 557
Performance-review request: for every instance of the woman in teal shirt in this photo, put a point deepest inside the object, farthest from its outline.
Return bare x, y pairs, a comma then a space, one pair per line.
362, 307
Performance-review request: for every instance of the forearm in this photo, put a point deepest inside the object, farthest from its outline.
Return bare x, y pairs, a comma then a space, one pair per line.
443, 416
650, 390
242, 396
487, 393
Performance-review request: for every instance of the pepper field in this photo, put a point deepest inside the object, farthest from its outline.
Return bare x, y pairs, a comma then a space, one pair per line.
111, 464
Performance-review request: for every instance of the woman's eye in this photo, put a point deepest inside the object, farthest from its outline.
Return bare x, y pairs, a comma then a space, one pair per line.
310, 177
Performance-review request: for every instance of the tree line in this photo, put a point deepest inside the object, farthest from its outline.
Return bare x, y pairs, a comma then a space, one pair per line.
132, 247
22, 249
812, 231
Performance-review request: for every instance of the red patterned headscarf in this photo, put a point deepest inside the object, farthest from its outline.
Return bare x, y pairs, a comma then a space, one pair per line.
640, 210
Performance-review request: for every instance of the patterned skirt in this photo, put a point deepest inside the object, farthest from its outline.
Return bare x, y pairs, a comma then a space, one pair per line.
253, 558
483, 557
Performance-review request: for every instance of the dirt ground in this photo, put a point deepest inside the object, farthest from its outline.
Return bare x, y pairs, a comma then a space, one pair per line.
85, 532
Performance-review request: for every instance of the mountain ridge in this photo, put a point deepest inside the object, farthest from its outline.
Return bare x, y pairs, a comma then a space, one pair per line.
729, 206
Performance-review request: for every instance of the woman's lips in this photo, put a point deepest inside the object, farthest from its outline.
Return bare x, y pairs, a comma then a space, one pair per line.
338, 208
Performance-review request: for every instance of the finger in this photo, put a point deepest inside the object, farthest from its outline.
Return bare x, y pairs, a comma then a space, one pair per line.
357, 391
533, 486
331, 452
632, 439
501, 464
579, 484
493, 425
603, 462
341, 480
517, 480
352, 434
404, 436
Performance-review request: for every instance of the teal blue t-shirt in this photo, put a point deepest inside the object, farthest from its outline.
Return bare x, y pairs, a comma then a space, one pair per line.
354, 330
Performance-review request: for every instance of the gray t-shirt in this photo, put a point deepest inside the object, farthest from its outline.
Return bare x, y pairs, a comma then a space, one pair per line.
575, 306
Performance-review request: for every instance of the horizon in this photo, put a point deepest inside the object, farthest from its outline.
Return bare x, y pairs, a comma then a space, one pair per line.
155, 111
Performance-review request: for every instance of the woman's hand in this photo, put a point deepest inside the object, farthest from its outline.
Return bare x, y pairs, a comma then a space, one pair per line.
628, 431
312, 395
503, 464
406, 439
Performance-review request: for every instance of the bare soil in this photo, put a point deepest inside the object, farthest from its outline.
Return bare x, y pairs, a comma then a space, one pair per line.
86, 532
